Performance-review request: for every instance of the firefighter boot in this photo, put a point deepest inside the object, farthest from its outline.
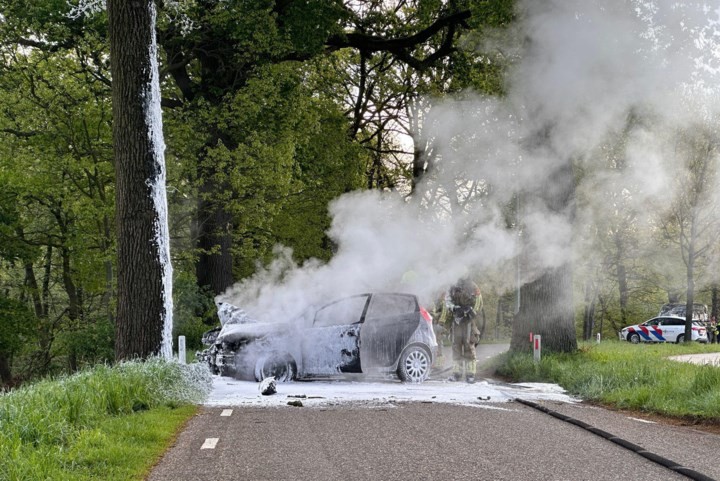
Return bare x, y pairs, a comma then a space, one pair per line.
470, 373
457, 371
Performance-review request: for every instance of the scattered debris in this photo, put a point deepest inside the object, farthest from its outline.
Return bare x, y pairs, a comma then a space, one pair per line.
300, 396
484, 398
297, 403
268, 386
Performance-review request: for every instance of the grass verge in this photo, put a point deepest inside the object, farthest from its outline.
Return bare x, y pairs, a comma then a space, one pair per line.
627, 376
109, 423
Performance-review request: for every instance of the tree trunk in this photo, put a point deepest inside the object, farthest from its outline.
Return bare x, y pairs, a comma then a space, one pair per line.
215, 260
5, 372
589, 313
621, 273
144, 313
546, 306
547, 310
690, 300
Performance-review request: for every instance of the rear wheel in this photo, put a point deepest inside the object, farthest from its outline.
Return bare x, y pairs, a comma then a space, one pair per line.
681, 338
281, 367
634, 338
414, 365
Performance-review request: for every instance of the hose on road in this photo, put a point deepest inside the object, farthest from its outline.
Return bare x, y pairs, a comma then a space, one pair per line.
672, 465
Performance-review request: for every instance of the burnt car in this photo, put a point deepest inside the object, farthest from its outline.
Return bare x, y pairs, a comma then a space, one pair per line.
372, 333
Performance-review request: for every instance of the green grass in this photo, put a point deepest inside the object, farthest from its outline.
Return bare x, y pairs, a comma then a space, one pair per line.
109, 423
627, 376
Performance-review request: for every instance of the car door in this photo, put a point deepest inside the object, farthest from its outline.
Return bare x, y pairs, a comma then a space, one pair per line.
650, 331
672, 328
332, 344
390, 321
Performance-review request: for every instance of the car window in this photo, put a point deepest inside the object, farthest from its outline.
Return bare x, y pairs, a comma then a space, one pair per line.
652, 322
389, 305
342, 312
673, 322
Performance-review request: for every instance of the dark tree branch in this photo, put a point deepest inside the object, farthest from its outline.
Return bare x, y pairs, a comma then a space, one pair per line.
400, 47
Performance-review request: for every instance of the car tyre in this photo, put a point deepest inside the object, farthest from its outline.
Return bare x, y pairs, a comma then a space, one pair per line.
281, 367
414, 364
680, 339
634, 338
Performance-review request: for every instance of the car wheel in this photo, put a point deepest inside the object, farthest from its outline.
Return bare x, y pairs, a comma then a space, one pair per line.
680, 338
414, 365
281, 367
634, 338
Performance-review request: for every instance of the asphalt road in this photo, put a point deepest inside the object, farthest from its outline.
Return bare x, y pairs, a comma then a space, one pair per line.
433, 441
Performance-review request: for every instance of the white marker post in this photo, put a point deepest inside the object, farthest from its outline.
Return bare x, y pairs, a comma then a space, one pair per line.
181, 349
536, 348
598, 338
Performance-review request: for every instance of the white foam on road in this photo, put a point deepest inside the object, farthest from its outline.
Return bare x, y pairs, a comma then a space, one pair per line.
230, 392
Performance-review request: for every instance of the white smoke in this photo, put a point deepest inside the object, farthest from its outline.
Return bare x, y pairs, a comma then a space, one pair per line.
586, 70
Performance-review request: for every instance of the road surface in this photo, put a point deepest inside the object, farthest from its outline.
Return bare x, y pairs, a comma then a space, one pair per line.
450, 431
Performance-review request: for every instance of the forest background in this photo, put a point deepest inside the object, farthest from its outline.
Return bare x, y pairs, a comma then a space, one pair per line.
271, 110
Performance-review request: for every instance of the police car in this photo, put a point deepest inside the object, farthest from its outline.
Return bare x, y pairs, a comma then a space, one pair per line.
663, 329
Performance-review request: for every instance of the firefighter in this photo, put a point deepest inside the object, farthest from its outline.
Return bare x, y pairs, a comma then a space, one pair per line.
440, 315
712, 330
465, 303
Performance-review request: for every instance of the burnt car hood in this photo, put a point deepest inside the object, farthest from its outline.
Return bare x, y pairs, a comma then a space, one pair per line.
250, 330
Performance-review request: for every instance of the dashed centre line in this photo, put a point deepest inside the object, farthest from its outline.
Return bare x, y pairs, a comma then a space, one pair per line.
226, 412
210, 443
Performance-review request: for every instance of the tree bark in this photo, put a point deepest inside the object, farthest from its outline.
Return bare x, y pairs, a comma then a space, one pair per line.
690, 299
621, 273
144, 312
589, 311
215, 259
547, 302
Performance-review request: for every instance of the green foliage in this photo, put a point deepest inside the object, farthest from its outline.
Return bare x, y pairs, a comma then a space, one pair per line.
628, 376
109, 423
193, 306
17, 325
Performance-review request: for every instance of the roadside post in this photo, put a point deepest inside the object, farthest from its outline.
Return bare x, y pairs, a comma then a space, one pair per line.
598, 338
536, 348
181, 349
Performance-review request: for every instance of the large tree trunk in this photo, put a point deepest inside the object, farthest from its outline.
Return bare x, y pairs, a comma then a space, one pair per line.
144, 277
214, 267
215, 259
547, 302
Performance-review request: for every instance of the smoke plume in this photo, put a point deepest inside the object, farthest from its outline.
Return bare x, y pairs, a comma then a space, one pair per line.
600, 83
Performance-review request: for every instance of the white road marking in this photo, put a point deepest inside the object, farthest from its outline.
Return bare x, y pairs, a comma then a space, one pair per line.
642, 420
226, 412
210, 443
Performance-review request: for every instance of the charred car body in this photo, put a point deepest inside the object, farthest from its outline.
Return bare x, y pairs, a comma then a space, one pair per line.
367, 333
